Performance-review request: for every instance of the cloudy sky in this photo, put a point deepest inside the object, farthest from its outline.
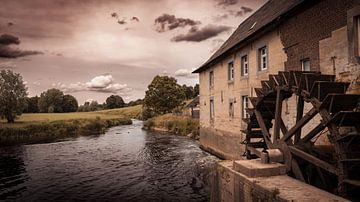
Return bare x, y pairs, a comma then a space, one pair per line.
92, 49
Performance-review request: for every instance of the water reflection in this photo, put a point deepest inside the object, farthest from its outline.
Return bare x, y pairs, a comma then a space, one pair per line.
126, 164
12, 173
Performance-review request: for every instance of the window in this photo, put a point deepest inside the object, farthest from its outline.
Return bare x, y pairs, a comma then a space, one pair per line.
262, 54
212, 110
211, 79
245, 104
231, 71
231, 109
244, 65
305, 64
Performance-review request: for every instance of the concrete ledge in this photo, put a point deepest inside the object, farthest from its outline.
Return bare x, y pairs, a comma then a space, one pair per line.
254, 168
231, 186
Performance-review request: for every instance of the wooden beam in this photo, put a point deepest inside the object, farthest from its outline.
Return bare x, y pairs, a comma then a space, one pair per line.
277, 115
264, 130
313, 160
296, 170
284, 130
313, 133
299, 115
304, 120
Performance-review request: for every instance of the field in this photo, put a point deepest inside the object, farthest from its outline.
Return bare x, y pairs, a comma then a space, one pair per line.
43, 127
29, 119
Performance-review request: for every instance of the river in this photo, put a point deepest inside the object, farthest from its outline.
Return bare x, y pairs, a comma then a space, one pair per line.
125, 164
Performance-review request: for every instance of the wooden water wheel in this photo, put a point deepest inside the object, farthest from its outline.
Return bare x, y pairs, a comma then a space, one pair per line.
333, 166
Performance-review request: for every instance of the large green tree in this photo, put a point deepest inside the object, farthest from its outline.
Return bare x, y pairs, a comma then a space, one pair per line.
12, 95
114, 101
51, 101
32, 105
69, 104
162, 96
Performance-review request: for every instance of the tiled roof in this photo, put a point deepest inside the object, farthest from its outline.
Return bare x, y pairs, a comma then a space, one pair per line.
268, 13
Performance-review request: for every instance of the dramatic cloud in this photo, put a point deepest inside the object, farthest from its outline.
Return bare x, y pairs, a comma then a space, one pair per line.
103, 83
6, 51
10, 24
114, 15
121, 22
135, 19
244, 10
227, 2
196, 35
184, 73
7, 39
169, 22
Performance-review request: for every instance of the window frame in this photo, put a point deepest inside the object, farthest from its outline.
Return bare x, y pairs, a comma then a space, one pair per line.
212, 108
211, 79
303, 64
231, 108
244, 105
261, 57
242, 65
231, 71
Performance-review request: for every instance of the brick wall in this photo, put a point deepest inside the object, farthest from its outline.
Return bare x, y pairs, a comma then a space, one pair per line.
301, 33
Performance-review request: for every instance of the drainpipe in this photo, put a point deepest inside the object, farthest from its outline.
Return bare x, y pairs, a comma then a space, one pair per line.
333, 58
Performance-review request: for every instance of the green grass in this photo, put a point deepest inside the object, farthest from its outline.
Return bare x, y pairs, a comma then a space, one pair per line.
40, 127
36, 118
179, 125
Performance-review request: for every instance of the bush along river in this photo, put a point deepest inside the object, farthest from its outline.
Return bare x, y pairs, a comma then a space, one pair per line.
125, 164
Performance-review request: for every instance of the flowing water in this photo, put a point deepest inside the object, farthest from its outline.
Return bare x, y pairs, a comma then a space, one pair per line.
125, 164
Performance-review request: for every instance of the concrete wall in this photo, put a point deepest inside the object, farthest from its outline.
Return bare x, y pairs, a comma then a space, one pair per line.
228, 185
223, 133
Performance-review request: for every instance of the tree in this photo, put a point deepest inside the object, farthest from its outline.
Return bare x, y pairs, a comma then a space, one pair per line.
51, 101
114, 101
31, 105
12, 95
136, 102
196, 90
189, 91
162, 96
69, 104
93, 106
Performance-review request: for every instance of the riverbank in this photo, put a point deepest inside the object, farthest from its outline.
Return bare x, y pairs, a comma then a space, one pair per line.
172, 124
44, 127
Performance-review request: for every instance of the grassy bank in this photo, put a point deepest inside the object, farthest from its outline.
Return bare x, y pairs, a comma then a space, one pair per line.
40, 127
178, 125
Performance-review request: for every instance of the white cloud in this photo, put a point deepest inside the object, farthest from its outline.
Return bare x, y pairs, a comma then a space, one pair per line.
184, 73
103, 83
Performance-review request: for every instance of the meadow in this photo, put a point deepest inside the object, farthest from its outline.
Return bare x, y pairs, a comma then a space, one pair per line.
43, 127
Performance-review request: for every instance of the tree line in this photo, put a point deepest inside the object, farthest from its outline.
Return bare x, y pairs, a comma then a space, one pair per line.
164, 94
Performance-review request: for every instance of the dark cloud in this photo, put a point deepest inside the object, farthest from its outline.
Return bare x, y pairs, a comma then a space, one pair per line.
10, 24
227, 2
114, 15
135, 19
196, 35
121, 22
6, 51
246, 9
7, 39
169, 22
